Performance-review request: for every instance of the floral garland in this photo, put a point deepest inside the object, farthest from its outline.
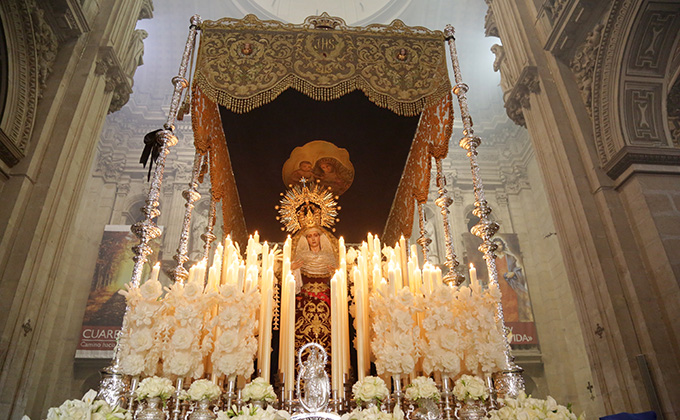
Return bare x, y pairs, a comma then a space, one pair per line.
251, 412
203, 389
461, 331
235, 325
138, 350
185, 306
153, 387
396, 335
370, 388
470, 388
422, 387
258, 390
373, 413
524, 407
87, 408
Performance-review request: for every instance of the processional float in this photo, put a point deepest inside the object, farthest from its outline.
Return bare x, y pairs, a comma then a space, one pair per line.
398, 67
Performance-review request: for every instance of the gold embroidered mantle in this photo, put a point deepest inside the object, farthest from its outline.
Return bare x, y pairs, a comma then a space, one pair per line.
246, 63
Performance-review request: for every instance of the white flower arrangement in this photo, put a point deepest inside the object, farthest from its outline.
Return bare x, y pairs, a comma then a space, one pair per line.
396, 334
236, 322
373, 413
470, 388
251, 412
461, 331
532, 408
203, 389
139, 351
370, 388
422, 387
87, 409
185, 307
258, 390
155, 387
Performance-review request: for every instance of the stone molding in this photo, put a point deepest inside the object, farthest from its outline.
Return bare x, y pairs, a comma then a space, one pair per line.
518, 98
583, 64
631, 84
109, 66
566, 20
490, 25
22, 93
514, 179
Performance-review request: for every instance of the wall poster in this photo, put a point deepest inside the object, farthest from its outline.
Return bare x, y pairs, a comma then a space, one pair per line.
512, 281
105, 306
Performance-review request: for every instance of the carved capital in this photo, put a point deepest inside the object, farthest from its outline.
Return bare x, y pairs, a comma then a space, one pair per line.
490, 26
583, 64
146, 11
109, 66
514, 179
518, 98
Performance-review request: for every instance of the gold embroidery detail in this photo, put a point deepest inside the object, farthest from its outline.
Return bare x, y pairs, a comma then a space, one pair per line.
247, 63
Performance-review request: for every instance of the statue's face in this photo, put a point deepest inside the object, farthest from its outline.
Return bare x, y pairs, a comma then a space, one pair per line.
313, 239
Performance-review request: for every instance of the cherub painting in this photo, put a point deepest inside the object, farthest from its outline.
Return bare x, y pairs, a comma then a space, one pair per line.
319, 161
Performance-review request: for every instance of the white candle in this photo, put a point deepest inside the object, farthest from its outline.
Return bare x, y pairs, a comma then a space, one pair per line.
358, 287
335, 352
376, 245
256, 238
392, 277
290, 342
241, 276
286, 248
212, 279
342, 250
370, 242
266, 360
473, 274
155, 271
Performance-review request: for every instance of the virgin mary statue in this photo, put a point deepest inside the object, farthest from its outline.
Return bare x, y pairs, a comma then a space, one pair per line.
308, 211
313, 265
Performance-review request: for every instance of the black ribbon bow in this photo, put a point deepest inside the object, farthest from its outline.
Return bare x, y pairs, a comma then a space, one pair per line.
152, 148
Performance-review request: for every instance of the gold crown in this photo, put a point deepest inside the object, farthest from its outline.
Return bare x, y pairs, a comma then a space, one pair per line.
303, 207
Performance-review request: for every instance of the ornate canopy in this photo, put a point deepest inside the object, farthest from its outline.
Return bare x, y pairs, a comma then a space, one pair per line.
245, 63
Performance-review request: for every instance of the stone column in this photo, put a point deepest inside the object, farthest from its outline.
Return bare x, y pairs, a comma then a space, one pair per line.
591, 102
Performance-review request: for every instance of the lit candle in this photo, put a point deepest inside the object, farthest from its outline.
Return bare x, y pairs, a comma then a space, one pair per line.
473, 274
155, 271
286, 249
370, 242
265, 257
256, 238
342, 249
241, 276
376, 245
335, 345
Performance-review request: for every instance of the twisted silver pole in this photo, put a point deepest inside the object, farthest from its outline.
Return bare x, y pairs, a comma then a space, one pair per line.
147, 230
191, 195
423, 240
209, 235
486, 228
444, 201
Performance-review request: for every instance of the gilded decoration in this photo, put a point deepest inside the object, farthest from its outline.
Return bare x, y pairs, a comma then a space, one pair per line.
431, 141
246, 63
209, 139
